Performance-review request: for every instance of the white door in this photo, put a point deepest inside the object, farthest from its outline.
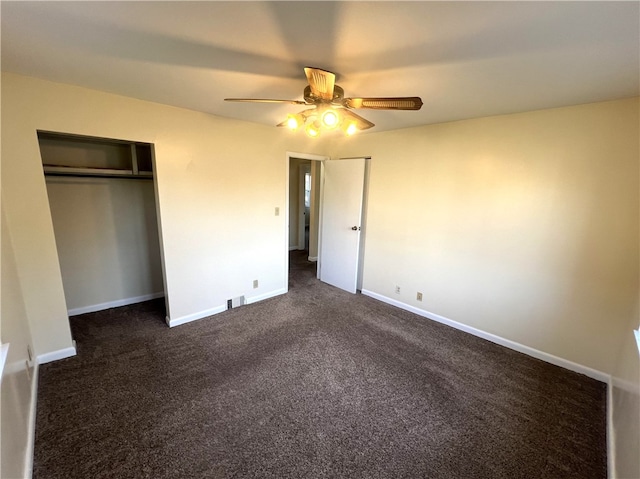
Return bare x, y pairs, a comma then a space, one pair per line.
341, 221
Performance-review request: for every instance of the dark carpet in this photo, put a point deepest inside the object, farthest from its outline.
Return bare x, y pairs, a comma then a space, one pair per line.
316, 383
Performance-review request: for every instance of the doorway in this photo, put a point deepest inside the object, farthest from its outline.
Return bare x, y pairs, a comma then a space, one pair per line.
304, 173
304, 202
335, 259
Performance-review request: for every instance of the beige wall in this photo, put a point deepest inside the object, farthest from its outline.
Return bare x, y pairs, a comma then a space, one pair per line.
28, 221
106, 234
16, 386
218, 184
524, 226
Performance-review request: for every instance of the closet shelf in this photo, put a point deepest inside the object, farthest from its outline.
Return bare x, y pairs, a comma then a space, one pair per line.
99, 172
74, 155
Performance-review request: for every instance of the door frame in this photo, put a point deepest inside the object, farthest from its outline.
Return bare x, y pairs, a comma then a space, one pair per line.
289, 155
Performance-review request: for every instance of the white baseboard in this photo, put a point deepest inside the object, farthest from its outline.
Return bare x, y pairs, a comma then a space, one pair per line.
114, 304
56, 355
261, 297
293, 248
313, 259
172, 322
31, 431
220, 309
549, 358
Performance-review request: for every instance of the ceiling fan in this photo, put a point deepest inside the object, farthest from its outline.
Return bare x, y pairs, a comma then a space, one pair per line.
331, 110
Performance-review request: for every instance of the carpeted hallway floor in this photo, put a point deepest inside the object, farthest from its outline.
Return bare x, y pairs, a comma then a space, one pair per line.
317, 383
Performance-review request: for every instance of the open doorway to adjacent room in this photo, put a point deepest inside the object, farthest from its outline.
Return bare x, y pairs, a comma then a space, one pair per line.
304, 212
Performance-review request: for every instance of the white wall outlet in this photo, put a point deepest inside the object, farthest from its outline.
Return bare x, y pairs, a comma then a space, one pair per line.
255, 283
419, 296
397, 289
277, 211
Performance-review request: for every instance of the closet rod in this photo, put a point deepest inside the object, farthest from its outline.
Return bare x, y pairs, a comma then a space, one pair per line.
89, 173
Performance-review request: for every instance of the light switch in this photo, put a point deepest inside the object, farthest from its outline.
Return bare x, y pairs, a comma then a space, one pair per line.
277, 211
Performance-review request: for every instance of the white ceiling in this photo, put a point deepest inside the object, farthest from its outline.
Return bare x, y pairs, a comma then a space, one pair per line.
465, 59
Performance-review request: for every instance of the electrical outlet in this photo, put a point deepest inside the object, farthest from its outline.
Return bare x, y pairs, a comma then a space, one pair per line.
255, 283
397, 289
419, 296
277, 211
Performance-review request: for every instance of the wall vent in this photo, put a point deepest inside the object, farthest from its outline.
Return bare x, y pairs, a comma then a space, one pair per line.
235, 302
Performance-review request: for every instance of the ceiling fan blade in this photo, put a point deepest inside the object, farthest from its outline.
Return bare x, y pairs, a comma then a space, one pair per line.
321, 82
397, 103
361, 123
266, 100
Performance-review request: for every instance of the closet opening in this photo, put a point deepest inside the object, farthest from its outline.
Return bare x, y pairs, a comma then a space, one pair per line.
103, 202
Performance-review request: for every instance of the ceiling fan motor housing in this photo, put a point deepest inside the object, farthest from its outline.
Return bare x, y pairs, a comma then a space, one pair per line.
309, 97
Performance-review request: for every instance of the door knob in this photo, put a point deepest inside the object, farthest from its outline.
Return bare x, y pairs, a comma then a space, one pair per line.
354, 228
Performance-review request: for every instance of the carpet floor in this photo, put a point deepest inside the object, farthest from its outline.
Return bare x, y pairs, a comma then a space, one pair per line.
316, 383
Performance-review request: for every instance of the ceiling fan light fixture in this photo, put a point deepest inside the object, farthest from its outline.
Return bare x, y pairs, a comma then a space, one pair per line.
312, 130
294, 121
330, 118
349, 128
